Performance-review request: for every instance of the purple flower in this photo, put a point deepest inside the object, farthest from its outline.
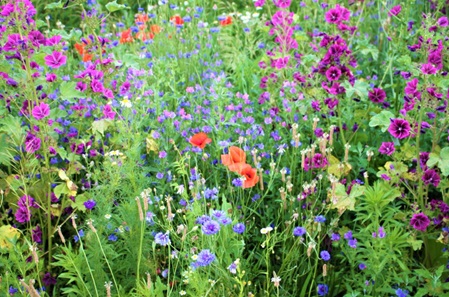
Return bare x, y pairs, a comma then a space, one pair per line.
352, 243
205, 258
55, 60
233, 267
362, 266
428, 68
333, 16
325, 255
395, 10
23, 215
381, 232
299, 231
108, 112
322, 289
320, 219
443, 21
36, 234
112, 237
41, 111
387, 148
420, 221
282, 3
239, 228
89, 204
210, 227
48, 279
430, 176
162, 238
377, 95
401, 293
399, 128
12, 290
348, 235
333, 73
335, 237
32, 143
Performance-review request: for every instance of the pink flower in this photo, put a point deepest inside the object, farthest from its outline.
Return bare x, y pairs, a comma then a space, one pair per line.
420, 221
280, 63
395, 10
108, 112
41, 111
32, 143
387, 148
282, 3
399, 128
55, 60
333, 73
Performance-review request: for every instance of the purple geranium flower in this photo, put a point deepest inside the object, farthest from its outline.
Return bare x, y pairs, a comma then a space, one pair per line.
395, 10
41, 111
377, 95
420, 221
387, 148
430, 176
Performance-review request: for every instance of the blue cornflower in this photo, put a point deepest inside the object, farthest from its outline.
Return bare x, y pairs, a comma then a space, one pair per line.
81, 234
401, 293
162, 238
12, 290
203, 219
211, 193
112, 237
353, 243
320, 219
225, 221
237, 182
325, 255
239, 228
233, 267
362, 266
218, 214
299, 231
322, 289
348, 235
210, 227
205, 258
335, 237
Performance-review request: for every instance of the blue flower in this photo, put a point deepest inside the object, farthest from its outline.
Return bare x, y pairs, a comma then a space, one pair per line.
210, 227
401, 293
112, 237
205, 258
239, 228
89, 204
81, 234
162, 238
325, 255
299, 231
322, 289
320, 219
353, 243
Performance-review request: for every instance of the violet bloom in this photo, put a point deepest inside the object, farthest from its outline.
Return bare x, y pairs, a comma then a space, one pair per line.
299, 231
48, 280
395, 10
162, 238
430, 176
333, 16
36, 234
283, 3
399, 128
333, 73
443, 21
32, 143
280, 63
377, 95
108, 112
325, 255
428, 68
387, 148
205, 258
239, 228
420, 221
89, 204
210, 227
41, 111
55, 60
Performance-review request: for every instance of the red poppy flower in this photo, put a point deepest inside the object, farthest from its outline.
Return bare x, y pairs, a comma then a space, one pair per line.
144, 35
250, 174
156, 29
177, 20
200, 140
126, 36
227, 21
235, 159
80, 48
141, 19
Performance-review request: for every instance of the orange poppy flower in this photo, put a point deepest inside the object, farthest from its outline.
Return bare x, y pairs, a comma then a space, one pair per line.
234, 159
144, 35
227, 21
177, 20
155, 29
80, 48
126, 36
200, 140
141, 18
250, 174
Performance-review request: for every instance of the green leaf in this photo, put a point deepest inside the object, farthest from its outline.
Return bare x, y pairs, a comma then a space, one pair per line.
360, 89
100, 126
68, 91
54, 5
381, 119
370, 50
61, 189
130, 60
114, 6
441, 160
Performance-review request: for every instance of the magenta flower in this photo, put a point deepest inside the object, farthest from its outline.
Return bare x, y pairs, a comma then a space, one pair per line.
399, 128
108, 112
282, 3
280, 63
32, 143
430, 176
333, 16
55, 60
411, 87
333, 73
377, 95
387, 148
420, 221
395, 10
41, 111
443, 21
428, 68
97, 86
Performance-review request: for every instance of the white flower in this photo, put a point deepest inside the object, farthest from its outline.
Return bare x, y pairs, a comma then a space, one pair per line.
126, 102
266, 230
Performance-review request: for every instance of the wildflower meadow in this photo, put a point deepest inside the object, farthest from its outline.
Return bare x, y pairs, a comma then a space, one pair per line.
224, 148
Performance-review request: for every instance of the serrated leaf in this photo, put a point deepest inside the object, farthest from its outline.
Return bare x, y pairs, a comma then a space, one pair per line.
342, 201
114, 6
100, 126
68, 91
54, 5
381, 119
